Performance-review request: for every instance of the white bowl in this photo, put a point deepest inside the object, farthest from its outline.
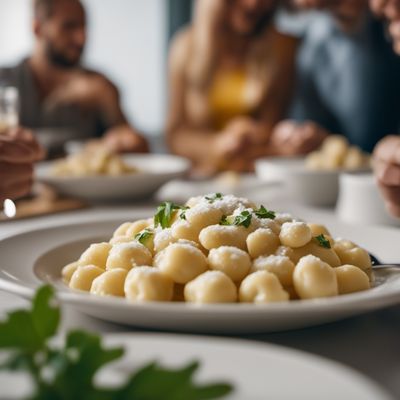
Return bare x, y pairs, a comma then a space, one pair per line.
309, 187
155, 170
361, 203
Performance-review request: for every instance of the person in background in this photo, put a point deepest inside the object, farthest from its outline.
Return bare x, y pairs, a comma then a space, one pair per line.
230, 77
386, 157
58, 94
348, 74
18, 152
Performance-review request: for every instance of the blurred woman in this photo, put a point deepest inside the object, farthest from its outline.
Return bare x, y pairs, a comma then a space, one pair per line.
18, 152
231, 78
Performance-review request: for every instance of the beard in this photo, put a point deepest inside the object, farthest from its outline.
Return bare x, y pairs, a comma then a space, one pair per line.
59, 59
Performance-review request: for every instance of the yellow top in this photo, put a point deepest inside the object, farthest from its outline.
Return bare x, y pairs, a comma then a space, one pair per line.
227, 96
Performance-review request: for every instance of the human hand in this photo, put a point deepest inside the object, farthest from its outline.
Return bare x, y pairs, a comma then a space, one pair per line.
386, 163
18, 151
389, 9
123, 139
290, 138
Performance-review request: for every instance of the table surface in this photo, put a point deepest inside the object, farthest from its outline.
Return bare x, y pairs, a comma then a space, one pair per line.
370, 343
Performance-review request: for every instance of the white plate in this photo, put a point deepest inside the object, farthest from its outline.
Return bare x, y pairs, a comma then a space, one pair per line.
257, 371
44, 252
155, 170
310, 187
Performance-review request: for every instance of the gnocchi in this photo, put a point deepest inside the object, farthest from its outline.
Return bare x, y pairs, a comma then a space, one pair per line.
211, 287
220, 249
94, 159
336, 153
148, 284
262, 287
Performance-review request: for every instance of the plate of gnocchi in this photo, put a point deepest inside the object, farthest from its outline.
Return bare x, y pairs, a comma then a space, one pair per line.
314, 180
99, 175
217, 263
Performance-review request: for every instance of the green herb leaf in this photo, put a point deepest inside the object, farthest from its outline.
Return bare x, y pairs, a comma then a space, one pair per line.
214, 197
182, 215
30, 329
164, 214
171, 385
263, 213
144, 235
244, 219
225, 220
69, 372
323, 241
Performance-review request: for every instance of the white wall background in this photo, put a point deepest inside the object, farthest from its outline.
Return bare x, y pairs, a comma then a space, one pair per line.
127, 42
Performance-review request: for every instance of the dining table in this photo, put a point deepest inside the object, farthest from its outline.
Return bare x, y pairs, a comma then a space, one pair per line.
368, 343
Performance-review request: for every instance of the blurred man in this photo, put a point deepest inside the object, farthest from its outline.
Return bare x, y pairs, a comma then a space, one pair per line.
387, 152
349, 80
18, 151
57, 93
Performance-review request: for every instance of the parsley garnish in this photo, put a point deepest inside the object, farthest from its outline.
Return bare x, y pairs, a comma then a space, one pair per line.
323, 241
214, 197
164, 214
143, 235
182, 215
244, 219
68, 371
263, 213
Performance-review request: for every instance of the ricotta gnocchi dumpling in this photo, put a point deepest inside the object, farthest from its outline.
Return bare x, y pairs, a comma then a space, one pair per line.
202, 215
314, 278
284, 251
162, 239
110, 283
326, 254
128, 255
137, 227
182, 229
281, 266
318, 229
211, 287
145, 283
96, 254
262, 287
295, 234
223, 235
83, 277
350, 253
351, 279
261, 242
182, 262
121, 230
68, 270
230, 260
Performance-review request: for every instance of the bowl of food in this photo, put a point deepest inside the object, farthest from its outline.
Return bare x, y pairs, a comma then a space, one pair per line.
314, 180
97, 174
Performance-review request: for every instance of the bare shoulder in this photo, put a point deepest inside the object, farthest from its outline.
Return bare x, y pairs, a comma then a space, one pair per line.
180, 47
101, 79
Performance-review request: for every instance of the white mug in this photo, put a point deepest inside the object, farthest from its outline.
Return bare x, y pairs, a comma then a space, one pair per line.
360, 202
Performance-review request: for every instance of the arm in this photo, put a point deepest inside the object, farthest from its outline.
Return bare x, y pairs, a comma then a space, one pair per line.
120, 136
18, 151
182, 138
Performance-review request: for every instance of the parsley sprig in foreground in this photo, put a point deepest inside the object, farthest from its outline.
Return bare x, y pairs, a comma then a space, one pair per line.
67, 373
